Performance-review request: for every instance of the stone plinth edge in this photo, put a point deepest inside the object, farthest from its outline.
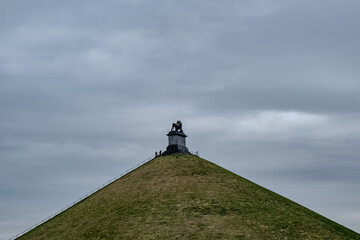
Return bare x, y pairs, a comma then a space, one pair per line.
173, 133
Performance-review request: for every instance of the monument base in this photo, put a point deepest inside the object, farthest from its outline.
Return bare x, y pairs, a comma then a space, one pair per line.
177, 143
176, 149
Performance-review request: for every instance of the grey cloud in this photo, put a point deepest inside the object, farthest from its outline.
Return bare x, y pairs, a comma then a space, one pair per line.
90, 89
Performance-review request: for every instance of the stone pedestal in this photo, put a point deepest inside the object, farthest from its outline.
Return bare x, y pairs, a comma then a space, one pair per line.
177, 143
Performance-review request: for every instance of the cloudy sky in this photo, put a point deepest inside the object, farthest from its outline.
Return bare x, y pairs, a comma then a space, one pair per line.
268, 89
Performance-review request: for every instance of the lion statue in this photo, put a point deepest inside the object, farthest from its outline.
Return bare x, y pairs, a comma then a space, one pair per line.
177, 126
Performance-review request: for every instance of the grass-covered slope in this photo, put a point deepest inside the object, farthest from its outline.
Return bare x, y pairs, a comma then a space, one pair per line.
186, 197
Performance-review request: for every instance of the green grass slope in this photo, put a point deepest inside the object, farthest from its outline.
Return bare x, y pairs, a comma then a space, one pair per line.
186, 197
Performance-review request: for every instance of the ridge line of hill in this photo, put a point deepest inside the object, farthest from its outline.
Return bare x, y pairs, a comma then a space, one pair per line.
183, 196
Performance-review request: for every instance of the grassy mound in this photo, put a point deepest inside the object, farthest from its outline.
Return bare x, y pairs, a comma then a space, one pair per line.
186, 197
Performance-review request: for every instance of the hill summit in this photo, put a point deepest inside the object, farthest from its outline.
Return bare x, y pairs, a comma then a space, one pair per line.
182, 196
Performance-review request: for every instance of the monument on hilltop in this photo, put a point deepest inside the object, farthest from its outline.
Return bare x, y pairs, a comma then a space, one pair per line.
177, 142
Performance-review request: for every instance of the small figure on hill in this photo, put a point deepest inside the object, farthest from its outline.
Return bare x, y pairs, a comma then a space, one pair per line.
160, 152
155, 153
177, 126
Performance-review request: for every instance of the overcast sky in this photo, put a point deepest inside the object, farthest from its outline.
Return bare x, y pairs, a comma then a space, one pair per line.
268, 89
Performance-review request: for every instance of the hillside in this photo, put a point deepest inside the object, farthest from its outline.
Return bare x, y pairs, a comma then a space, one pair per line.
186, 197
